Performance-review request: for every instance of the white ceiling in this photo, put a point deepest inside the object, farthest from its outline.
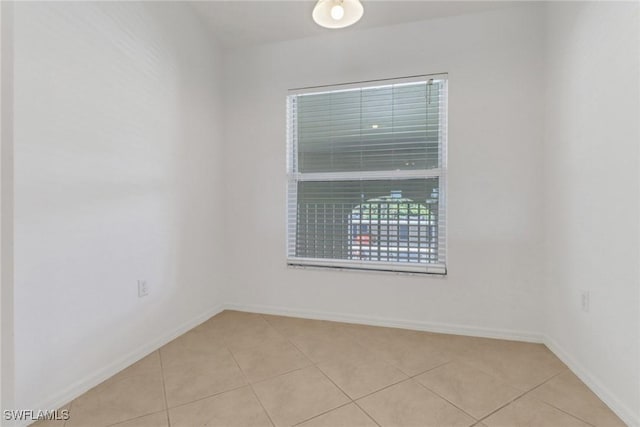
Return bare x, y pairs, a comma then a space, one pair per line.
240, 23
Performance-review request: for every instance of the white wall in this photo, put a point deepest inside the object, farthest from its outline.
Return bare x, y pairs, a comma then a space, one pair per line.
592, 194
6, 206
494, 61
122, 179
117, 178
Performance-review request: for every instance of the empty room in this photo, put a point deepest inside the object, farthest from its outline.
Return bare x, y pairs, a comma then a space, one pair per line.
320, 213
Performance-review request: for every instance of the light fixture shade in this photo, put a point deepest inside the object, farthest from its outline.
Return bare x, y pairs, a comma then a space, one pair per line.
353, 11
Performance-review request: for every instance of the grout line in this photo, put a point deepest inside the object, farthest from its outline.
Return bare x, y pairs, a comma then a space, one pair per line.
520, 396
272, 327
316, 365
261, 405
568, 413
246, 378
207, 397
383, 388
333, 382
351, 333
367, 414
164, 388
430, 369
475, 420
556, 407
354, 336
135, 418
164, 394
290, 341
223, 346
412, 377
322, 413
281, 374
409, 377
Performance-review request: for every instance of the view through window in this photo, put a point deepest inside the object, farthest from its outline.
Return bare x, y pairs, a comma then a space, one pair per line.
367, 175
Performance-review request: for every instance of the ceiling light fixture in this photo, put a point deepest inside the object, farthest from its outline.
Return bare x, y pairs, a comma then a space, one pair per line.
337, 13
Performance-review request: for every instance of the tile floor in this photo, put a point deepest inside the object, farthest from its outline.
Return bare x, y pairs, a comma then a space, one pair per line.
243, 369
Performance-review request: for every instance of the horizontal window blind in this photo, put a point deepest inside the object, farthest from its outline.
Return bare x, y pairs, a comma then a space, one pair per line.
367, 176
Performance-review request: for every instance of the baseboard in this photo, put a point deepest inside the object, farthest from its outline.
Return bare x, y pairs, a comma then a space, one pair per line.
625, 413
621, 410
443, 328
631, 419
85, 384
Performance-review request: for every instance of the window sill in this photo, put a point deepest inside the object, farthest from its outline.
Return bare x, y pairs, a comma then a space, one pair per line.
355, 269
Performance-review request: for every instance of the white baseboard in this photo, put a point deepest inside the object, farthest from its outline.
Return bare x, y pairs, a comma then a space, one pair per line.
621, 410
443, 328
79, 387
596, 386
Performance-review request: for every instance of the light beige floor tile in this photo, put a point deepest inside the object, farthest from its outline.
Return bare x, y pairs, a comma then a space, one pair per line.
454, 345
245, 332
190, 348
412, 352
233, 317
55, 422
461, 345
322, 341
297, 396
519, 364
331, 347
230, 323
346, 416
120, 398
473, 391
358, 379
361, 359
237, 408
251, 337
213, 327
293, 327
409, 404
569, 394
147, 365
159, 419
186, 386
270, 359
412, 358
379, 337
193, 370
49, 423
529, 412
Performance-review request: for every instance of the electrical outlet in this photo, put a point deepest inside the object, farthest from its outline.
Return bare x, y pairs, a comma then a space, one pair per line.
143, 288
584, 300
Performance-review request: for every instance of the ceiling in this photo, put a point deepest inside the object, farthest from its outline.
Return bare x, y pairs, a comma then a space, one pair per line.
239, 23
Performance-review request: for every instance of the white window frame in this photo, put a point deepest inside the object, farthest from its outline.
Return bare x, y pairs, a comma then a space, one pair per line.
294, 176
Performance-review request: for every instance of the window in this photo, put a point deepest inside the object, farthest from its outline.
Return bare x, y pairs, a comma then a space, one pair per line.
366, 175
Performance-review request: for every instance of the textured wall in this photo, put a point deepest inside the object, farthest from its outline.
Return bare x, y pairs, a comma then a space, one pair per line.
117, 178
592, 193
494, 61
